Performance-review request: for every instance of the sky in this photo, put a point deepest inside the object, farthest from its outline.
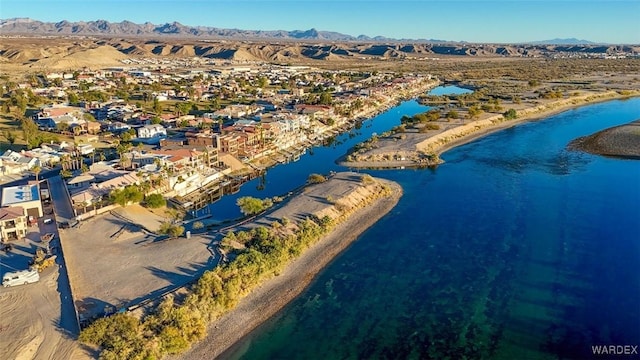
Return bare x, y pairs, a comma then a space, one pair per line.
504, 21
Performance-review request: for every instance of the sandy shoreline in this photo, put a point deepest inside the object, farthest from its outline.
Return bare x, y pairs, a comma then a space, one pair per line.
445, 145
528, 118
265, 301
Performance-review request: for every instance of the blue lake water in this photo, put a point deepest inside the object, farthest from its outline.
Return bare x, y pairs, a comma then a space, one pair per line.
449, 90
515, 248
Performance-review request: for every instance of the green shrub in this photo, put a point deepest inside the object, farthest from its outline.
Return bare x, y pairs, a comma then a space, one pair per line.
316, 179
510, 114
155, 201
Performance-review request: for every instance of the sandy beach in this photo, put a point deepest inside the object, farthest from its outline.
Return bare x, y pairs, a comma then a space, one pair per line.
273, 295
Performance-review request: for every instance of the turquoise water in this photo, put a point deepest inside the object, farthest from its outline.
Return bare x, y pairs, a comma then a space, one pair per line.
449, 90
515, 248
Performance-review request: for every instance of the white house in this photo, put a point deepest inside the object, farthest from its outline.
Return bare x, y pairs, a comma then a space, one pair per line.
151, 131
85, 149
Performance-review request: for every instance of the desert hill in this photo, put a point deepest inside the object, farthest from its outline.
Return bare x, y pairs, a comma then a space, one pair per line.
66, 52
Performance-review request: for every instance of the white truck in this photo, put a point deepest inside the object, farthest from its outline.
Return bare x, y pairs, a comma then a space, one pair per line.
20, 278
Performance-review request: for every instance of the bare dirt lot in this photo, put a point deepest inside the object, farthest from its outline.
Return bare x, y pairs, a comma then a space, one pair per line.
112, 263
34, 321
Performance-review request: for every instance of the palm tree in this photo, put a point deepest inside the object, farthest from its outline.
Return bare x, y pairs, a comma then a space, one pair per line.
36, 170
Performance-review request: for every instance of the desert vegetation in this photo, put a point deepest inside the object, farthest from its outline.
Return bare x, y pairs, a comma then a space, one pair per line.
176, 323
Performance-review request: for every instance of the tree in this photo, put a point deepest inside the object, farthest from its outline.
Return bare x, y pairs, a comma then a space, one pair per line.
325, 98
62, 126
157, 107
176, 230
130, 193
36, 170
66, 173
263, 82
30, 133
11, 137
250, 205
155, 201
182, 108
72, 98
88, 117
170, 229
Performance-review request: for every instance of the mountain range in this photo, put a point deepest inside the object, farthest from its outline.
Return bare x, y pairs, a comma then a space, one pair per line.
101, 43
128, 28
176, 29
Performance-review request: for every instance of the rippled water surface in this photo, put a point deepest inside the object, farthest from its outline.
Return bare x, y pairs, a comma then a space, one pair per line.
515, 248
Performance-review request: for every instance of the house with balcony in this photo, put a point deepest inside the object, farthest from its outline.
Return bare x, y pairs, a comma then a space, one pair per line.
13, 223
25, 197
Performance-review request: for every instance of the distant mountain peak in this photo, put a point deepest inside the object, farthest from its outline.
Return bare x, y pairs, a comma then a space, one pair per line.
564, 41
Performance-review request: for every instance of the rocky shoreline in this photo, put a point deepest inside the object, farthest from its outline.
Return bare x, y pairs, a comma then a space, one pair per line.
620, 141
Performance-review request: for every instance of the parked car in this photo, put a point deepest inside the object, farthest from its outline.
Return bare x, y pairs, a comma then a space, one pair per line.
68, 224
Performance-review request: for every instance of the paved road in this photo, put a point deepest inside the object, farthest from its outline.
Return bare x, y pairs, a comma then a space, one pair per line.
60, 198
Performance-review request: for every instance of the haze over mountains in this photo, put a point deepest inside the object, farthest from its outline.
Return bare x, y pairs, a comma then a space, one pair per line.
128, 28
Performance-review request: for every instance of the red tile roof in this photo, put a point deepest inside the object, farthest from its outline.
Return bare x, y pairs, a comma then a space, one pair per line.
10, 213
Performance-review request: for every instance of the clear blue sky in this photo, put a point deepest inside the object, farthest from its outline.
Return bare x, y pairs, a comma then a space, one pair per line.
460, 20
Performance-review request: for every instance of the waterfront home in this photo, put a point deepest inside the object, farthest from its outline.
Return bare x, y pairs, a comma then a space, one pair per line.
26, 197
13, 223
80, 182
96, 192
315, 111
228, 143
204, 137
140, 159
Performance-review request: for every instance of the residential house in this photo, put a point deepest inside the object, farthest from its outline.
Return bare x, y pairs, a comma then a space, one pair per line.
152, 131
92, 127
26, 197
80, 182
12, 162
98, 191
85, 149
117, 127
315, 111
201, 138
228, 143
13, 223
